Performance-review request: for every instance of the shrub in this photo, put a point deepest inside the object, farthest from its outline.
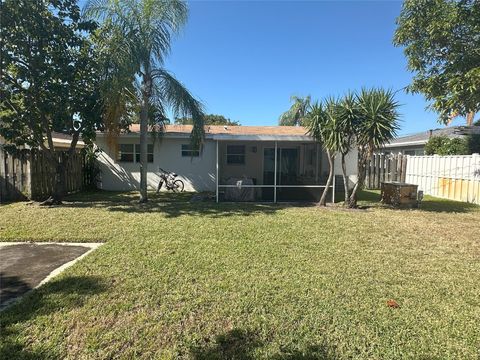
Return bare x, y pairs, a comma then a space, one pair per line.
442, 145
473, 143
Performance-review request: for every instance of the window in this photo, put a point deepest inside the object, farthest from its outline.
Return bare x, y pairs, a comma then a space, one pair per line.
126, 153
131, 152
236, 154
187, 151
149, 153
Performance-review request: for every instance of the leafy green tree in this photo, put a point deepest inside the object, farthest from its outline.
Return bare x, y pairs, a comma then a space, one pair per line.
136, 35
473, 143
377, 123
323, 125
441, 42
49, 78
297, 114
209, 119
443, 145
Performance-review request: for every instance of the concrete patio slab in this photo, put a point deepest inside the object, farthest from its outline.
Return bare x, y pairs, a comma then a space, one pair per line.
25, 266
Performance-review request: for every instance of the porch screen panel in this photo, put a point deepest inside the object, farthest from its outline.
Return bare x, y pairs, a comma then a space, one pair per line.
253, 171
300, 172
241, 171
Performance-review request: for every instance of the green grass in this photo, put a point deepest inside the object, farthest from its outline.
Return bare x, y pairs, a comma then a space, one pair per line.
241, 281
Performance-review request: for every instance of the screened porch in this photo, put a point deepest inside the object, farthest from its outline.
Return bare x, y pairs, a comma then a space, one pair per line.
270, 171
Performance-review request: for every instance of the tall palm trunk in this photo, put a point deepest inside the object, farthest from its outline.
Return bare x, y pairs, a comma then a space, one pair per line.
146, 93
345, 179
323, 198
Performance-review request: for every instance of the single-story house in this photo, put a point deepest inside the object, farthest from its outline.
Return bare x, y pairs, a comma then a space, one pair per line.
414, 144
252, 163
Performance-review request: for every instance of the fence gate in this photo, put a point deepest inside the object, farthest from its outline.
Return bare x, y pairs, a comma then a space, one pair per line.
385, 167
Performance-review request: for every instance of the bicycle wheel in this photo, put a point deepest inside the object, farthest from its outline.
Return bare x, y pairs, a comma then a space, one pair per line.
178, 186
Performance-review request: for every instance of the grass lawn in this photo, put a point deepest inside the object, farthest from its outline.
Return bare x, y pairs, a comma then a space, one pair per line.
241, 281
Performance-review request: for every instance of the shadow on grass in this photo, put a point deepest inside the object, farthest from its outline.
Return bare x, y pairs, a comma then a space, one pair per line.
175, 205
239, 344
62, 294
170, 204
429, 203
442, 205
11, 287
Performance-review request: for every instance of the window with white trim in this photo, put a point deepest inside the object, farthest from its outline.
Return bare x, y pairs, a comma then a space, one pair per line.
131, 153
149, 153
235, 154
188, 151
126, 153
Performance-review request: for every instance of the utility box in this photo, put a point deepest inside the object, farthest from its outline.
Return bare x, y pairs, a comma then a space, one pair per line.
399, 194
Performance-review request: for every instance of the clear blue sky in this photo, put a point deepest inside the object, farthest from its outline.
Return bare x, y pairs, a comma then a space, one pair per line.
245, 59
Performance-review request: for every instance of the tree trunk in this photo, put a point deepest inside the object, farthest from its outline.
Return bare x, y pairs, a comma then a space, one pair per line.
345, 180
146, 91
60, 162
361, 170
323, 198
59, 191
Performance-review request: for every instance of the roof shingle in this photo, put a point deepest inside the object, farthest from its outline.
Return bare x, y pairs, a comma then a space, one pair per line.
232, 130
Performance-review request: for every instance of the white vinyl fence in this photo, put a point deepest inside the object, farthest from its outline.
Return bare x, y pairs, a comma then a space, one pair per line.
455, 177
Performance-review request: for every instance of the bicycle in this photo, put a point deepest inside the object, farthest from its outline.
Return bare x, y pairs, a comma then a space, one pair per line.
168, 178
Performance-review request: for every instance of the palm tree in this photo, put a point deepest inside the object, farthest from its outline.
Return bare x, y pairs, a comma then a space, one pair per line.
377, 124
135, 37
323, 125
296, 115
348, 118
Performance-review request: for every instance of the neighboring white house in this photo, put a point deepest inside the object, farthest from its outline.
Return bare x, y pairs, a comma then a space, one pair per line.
233, 158
414, 144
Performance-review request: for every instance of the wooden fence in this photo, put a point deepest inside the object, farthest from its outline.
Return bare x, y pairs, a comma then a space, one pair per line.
385, 167
28, 174
455, 177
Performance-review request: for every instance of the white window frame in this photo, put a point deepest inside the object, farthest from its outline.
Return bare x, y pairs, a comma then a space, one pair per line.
136, 151
244, 154
120, 153
189, 152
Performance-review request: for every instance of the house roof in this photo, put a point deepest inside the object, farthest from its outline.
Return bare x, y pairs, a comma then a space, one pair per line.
221, 132
421, 138
60, 140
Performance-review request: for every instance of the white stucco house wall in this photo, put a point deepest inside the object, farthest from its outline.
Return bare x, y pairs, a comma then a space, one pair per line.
229, 154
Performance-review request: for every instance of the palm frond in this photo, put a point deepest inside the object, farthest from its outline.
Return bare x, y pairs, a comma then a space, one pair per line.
378, 118
297, 114
172, 93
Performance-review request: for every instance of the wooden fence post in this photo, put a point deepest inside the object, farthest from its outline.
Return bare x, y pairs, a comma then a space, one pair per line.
404, 168
3, 185
382, 169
